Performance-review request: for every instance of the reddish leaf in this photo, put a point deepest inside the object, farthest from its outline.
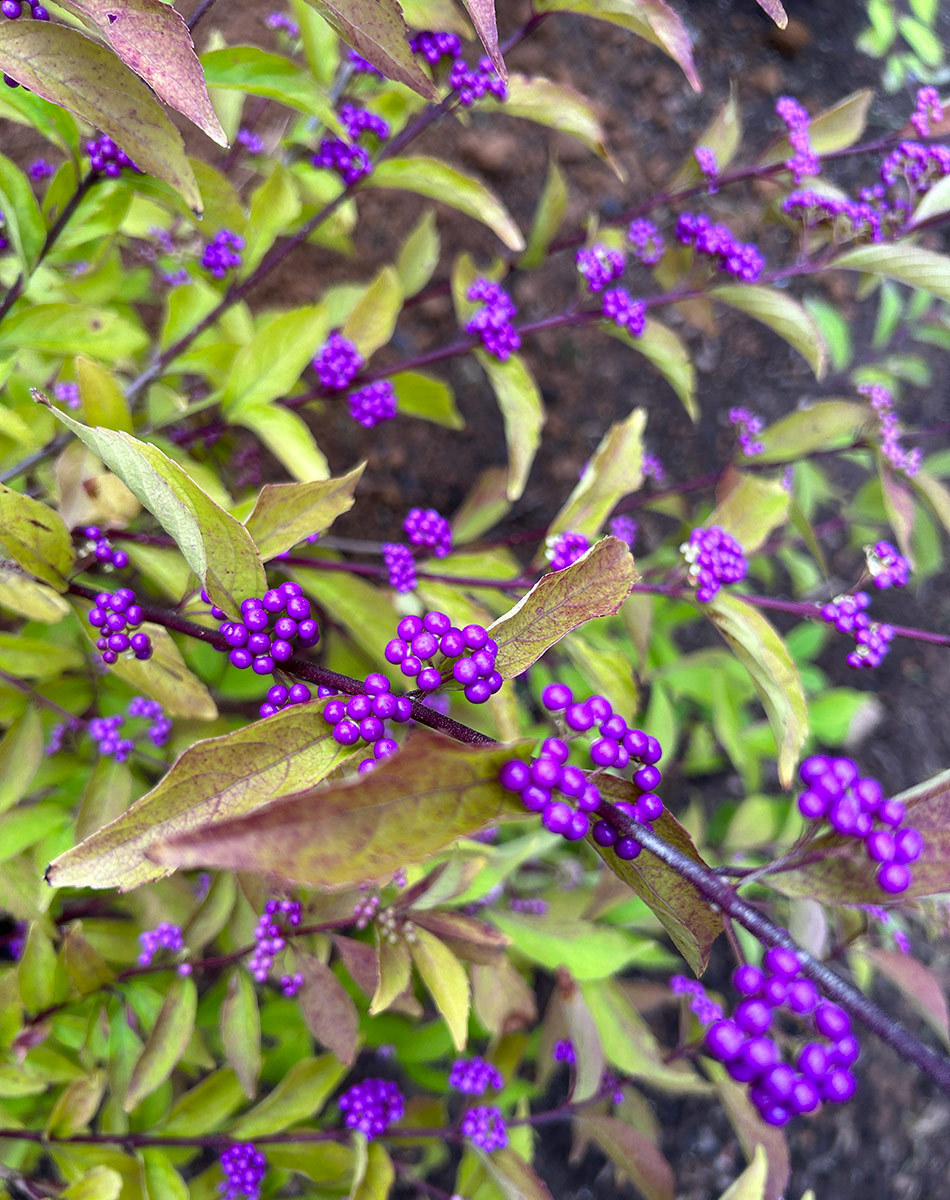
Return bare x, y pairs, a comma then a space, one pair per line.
360, 960
466, 936
482, 13
329, 1012
502, 998
632, 1153
919, 985
775, 11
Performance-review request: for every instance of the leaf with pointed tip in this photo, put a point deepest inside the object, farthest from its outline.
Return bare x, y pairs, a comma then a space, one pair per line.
835, 128
723, 135
261, 73
446, 981
482, 13
63, 65
330, 1014
395, 972
153, 39
299, 1096
373, 319
828, 425
103, 401
613, 471
516, 1178
918, 984
595, 586
35, 537
560, 107
286, 513
775, 11
218, 548
362, 828
213, 780
241, 1030
789, 319
166, 1043
377, 31
668, 353
934, 494
751, 1183
587, 950
764, 655
433, 178
27, 598
750, 507
907, 263
522, 411
631, 1152
752, 1131
21, 753
273, 360
548, 216
287, 436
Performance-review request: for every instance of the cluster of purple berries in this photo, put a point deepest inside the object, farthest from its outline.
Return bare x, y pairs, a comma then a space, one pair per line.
270, 629
337, 363
269, 937
115, 614
917, 166
374, 403
101, 547
550, 786
564, 549
706, 161
779, 1090
928, 108
618, 306
714, 557
882, 402
105, 730
351, 162
106, 157
163, 937
851, 219
888, 567
474, 83
290, 985
646, 240
281, 696
244, 1168
872, 640
804, 161
426, 527
854, 806
475, 1076
486, 1128
748, 426
741, 259
12, 9
222, 253
492, 322
419, 639
372, 1106
434, 45
600, 266
363, 716
623, 527
400, 565
357, 121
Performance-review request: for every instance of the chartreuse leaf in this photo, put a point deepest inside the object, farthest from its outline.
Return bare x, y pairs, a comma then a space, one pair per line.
376, 29
166, 1043
153, 39
666, 350
612, 472
260, 73
834, 129
522, 411
413, 805
103, 401
161, 1179
653, 20
61, 329
683, 912
217, 547
241, 1030
288, 438
446, 981
206, 1106
764, 655
751, 508
301, 1094
789, 319
548, 103
275, 206
395, 972
828, 425
723, 135
632, 1153
587, 950
36, 969
21, 753
30, 599
751, 1183
35, 537
548, 216
286, 513
99, 1183
438, 181
77, 1105
419, 254
426, 397
378, 1178
373, 319
323, 1162
35, 658
23, 224
907, 263
213, 780
595, 586
64, 66
272, 361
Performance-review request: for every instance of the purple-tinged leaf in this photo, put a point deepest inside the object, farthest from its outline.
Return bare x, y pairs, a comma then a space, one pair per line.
631, 1152
466, 936
330, 1014
482, 13
775, 11
502, 998
167, 1042
63, 65
752, 1131
918, 984
595, 586
241, 1030
361, 829
516, 1178
153, 39
361, 961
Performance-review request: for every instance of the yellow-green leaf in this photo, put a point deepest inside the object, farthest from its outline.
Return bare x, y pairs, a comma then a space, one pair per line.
907, 263
35, 537
286, 513
446, 981
371, 323
522, 411
783, 314
299, 1096
241, 1030
166, 1043
613, 471
103, 401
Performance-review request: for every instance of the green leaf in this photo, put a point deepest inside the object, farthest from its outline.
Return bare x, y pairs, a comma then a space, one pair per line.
835, 330
100, 1183
77, 1105
548, 216
750, 509
376, 29
751, 1183
23, 224
21, 753
828, 425
36, 970
326, 1006
904, 262
419, 255
30, 599
782, 313
103, 401
395, 973
206, 1106
595, 586
275, 206
665, 349
631, 1152
723, 135
273, 360
35, 537
372, 321
934, 495
522, 411
923, 41
288, 438
446, 981
161, 1179
835, 128
64, 66
362, 828
167, 1042
764, 655
286, 513
426, 397
213, 780
241, 1030
87, 968
62, 329
516, 1178
587, 950
485, 505
36, 658
548, 103
612, 472
438, 181
153, 39
217, 547
299, 1096
654, 20
260, 73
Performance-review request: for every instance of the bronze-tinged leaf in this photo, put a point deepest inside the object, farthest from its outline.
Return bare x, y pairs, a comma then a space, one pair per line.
585, 1038
362, 829
361, 961
516, 1178
153, 39
595, 586
482, 13
632, 1153
330, 1014
918, 984
502, 998
466, 936
684, 913
752, 1130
